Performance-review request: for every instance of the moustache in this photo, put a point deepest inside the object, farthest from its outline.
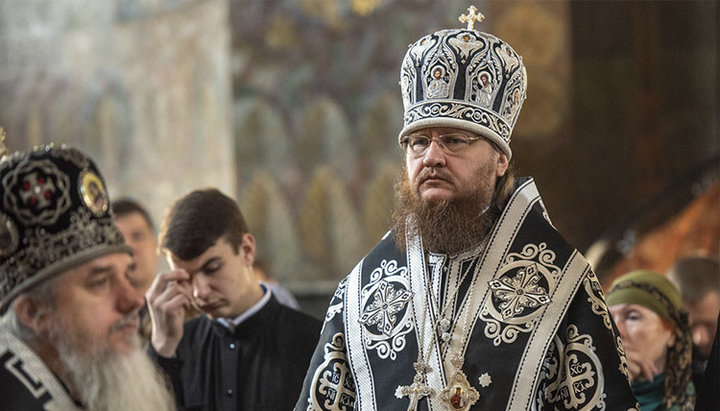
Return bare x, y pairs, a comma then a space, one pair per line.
128, 320
434, 173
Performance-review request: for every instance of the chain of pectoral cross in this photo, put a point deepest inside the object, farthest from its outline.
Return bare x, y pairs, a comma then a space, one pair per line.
446, 308
419, 388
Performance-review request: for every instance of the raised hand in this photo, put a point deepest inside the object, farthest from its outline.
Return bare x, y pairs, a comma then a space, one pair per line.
169, 296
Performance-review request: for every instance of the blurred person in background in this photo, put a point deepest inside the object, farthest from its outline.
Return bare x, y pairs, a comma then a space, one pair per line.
698, 279
655, 332
263, 273
708, 398
137, 228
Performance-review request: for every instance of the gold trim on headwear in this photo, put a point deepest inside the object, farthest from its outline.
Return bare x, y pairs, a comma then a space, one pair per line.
9, 237
3, 147
92, 191
472, 17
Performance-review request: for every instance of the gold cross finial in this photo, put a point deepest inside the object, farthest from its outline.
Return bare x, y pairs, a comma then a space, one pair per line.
471, 17
3, 147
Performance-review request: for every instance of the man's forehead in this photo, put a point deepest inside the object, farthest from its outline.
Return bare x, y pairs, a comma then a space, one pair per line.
197, 262
134, 218
111, 262
222, 247
442, 130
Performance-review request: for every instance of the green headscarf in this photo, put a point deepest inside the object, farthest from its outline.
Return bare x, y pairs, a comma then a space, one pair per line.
655, 292
649, 289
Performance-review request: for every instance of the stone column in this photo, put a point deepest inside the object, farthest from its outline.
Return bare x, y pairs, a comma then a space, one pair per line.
143, 87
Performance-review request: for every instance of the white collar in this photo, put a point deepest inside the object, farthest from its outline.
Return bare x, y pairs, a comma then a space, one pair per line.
231, 324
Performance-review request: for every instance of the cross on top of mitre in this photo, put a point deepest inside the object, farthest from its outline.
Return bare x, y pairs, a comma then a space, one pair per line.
472, 17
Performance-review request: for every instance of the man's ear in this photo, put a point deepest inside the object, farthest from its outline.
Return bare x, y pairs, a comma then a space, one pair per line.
31, 313
502, 164
248, 247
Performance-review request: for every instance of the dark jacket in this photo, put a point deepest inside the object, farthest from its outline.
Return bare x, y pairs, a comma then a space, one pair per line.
259, 366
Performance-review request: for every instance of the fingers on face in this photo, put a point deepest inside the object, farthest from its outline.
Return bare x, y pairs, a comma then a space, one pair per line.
177, 302
166, 280
170, 290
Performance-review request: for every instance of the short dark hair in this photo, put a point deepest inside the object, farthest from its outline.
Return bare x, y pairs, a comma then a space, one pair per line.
196, 221
126, 206
695, 277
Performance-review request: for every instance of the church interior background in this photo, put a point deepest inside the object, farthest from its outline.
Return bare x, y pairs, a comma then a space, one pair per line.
293, 108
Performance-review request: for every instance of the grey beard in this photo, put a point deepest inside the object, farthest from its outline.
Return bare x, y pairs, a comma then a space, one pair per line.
109, 381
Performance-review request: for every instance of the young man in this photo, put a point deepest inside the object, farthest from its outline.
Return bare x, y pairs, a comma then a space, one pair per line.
68, 335
473, 300
248, 352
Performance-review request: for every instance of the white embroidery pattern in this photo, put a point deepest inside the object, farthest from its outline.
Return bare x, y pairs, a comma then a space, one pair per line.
333, 387
623, 367
597, 305
519, 291
574, 373
385, 313
336, 308
595, 298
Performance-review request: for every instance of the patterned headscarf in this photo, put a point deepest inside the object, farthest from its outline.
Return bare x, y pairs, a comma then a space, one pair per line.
655, 292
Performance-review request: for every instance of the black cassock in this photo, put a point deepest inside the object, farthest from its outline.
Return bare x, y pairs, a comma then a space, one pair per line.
258, 366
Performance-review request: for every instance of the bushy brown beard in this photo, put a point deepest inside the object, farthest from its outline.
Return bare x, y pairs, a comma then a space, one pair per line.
446, 226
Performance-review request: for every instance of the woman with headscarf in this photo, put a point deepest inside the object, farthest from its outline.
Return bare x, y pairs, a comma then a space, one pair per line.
647, 310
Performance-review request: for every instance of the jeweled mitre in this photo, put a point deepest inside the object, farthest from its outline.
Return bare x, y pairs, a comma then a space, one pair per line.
465, 79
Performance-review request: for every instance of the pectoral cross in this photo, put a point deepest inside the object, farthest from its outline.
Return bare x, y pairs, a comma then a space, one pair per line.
471, 17
417, 389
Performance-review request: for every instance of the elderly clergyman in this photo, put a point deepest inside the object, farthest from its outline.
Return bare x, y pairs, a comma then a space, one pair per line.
68, 333
473, 300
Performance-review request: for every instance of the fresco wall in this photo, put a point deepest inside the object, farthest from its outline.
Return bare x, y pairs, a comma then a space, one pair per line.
293, 106
142, 86
318, 109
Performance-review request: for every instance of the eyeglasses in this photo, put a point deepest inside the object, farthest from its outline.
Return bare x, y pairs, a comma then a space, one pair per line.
451, 143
